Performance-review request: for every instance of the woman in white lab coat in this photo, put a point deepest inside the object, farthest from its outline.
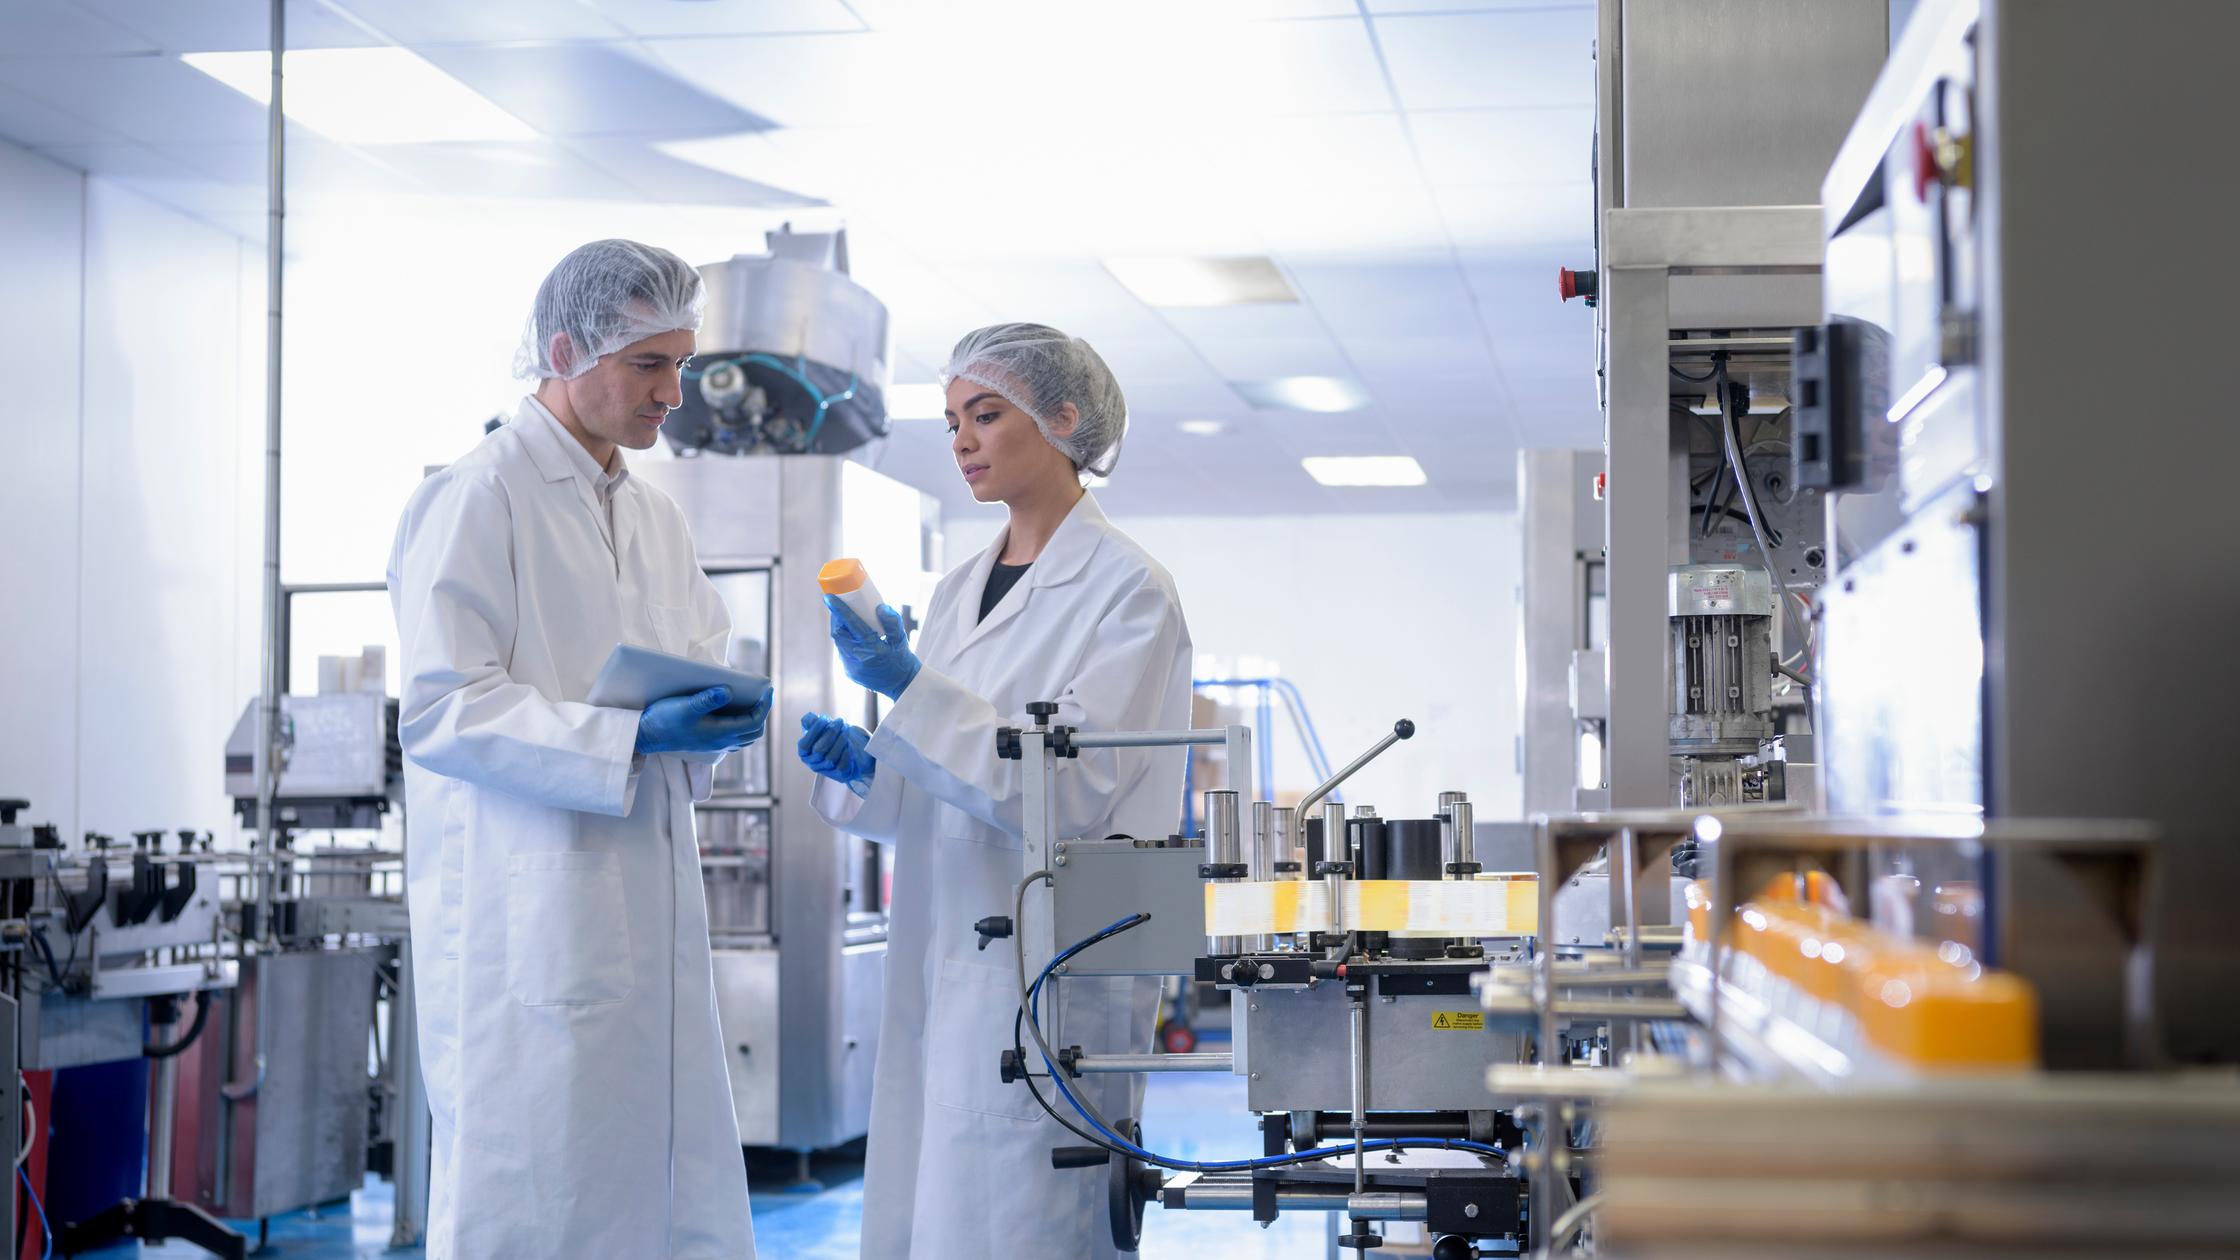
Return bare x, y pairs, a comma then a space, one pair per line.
1061, 607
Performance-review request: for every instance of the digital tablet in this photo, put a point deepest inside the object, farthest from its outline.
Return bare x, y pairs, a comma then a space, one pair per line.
635, 677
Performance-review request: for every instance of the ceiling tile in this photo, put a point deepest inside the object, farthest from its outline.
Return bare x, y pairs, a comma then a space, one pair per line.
52, 28
1415, 297
1504, 146
177, 27
313, 166
1491, 60
591, 90
31, 123
1381, 7
730, 17
1518, 216
152, 100
537, 169
659, 177
418, 22
1255, 343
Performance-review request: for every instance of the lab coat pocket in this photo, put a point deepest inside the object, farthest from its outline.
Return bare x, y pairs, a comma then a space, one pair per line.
672, 628
968, 1027
567, 940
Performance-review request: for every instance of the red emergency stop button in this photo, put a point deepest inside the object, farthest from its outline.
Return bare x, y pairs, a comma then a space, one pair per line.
1575, 284
1926, 170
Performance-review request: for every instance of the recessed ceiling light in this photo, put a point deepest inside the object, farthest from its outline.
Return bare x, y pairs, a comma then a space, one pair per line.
366, 95
1185, 281
916, 402
1200, 428
1364, 470
1303, 393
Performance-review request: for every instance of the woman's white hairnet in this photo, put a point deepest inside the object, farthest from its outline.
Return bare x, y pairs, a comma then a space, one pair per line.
1038, 370
604, 296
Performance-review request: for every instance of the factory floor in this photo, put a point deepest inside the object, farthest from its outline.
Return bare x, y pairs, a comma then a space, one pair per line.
1190, 1115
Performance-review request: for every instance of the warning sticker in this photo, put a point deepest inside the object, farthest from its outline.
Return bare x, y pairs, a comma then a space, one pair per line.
1459, 1021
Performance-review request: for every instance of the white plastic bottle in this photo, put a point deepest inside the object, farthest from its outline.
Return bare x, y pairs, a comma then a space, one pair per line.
846, 580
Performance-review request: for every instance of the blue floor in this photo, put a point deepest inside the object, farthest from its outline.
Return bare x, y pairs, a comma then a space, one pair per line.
1190, 1116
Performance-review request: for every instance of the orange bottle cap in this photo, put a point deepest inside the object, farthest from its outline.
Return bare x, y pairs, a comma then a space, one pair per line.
840, 577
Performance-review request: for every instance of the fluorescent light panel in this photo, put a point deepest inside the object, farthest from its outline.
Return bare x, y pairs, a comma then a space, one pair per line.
1364, 470
916, 402
1184, 281
1200, 428
1303, 393
366, 95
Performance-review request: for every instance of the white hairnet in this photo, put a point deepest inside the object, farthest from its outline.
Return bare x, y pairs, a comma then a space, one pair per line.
604, 296
1038, 370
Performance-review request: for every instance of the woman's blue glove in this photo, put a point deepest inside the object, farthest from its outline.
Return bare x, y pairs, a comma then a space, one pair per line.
693, 724
880, 660
836, 750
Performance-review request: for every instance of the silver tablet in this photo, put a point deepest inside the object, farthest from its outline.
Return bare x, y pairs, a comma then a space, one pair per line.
635, 677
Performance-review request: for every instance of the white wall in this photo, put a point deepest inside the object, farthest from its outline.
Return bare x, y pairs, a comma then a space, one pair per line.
1387, 617
136, 403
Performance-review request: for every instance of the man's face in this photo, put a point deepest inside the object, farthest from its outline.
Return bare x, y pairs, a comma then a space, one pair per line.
626, 395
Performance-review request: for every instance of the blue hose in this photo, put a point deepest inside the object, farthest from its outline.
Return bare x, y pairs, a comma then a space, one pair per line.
46, 1235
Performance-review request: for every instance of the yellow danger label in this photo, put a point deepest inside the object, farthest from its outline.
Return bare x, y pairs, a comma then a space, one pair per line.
1461, 1021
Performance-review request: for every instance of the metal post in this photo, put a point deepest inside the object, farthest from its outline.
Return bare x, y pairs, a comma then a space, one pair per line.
163, 1108
1641, 538
268, 764
1224, 848
1359, 1025
1463, 818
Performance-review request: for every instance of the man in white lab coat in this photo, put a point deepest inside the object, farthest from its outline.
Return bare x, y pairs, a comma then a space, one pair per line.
568, 1032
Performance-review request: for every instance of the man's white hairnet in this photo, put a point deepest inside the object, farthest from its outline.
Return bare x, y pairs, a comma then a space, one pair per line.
604, 296
1038, 370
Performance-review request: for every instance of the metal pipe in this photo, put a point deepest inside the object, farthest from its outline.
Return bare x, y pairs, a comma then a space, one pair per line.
1380, 1205
1402, 729
1334, 850
1359, 1024
1462, 818
1224, 847
268, 705
1201, 1061
1523, 1006
163, 1105
1445, 814
1145, 739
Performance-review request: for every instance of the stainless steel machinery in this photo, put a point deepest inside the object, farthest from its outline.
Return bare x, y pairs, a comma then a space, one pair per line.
792, 358
1714, 122
2033, 611
797, 910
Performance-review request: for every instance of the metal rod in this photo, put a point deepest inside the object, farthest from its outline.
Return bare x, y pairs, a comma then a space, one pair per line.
1359, 1023
1380, 1205
1224, 844
268, 704
163, 1104
1522, 1006
1402, 729
1462, 817
1146, 739
1201, 1061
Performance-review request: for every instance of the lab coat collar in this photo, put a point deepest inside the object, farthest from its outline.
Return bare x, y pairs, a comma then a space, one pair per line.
556, 452
1062, 560
559, 457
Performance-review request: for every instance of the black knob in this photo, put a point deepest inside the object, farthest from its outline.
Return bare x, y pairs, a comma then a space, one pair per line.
8, 811
1042, 711
1079, 1156
1404, 728
993, 928
147, 839
186, 840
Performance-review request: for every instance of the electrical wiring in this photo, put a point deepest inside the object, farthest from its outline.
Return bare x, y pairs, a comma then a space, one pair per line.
46, 1233
1742, 482
1105, 1136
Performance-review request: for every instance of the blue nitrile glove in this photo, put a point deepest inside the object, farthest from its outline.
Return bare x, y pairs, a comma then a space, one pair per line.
692, 723
881, 661
836, 750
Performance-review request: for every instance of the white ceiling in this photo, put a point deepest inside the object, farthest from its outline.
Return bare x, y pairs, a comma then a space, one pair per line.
1417, 168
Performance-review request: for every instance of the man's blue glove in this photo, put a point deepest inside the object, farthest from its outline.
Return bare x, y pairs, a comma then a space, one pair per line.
836, 750
878, 659
692, 723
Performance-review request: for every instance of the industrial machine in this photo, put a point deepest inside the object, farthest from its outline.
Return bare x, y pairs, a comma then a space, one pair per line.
793, 371
793, 355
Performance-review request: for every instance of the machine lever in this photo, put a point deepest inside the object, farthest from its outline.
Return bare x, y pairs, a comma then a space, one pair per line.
181, 891
1402, 729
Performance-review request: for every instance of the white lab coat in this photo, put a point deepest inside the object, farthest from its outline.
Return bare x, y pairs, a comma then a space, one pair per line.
959, 1162
568, 1032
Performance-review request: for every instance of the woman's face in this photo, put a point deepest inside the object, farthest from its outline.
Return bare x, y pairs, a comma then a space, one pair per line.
998, 449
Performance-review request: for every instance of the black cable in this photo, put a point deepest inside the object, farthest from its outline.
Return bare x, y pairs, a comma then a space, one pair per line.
194, 1029
1703, 379
45, 951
